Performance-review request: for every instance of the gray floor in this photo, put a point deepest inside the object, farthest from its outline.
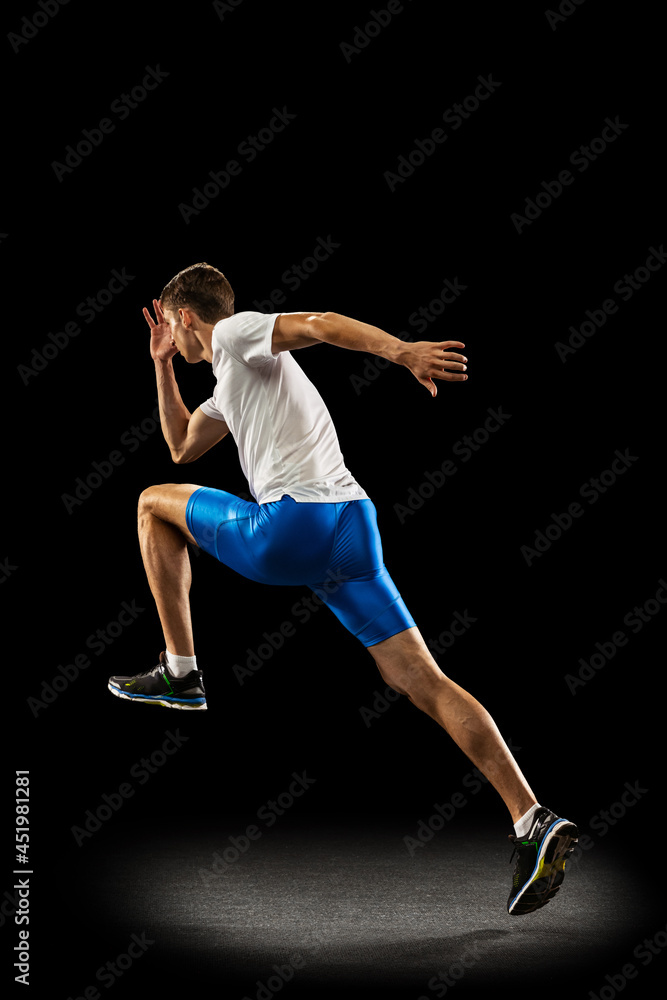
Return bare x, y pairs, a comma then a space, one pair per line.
350, 906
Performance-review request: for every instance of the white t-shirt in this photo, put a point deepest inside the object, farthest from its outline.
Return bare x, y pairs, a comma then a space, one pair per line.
284, 433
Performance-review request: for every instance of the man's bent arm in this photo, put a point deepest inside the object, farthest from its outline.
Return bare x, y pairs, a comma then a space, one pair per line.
174, 415
188, 435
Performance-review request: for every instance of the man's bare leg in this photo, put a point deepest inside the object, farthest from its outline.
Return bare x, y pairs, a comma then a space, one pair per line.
405, 663
163, 538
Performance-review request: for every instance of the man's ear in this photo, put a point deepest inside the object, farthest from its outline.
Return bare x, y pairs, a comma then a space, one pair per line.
186, 317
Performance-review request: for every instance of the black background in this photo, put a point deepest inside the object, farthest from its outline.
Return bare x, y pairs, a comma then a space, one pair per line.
68, 571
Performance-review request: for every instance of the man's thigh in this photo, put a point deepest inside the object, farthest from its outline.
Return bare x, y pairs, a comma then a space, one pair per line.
168, 502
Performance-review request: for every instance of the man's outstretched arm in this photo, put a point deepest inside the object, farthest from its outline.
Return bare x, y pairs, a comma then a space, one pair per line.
425, 359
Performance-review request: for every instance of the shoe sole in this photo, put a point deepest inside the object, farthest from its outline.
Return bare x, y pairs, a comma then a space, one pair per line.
548, 873
195, 704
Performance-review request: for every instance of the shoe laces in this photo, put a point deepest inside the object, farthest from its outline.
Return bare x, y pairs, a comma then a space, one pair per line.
532, 836
513, 840
519, 842
154, 671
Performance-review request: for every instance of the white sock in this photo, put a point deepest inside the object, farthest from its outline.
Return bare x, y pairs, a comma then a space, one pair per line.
181, 665
523, 825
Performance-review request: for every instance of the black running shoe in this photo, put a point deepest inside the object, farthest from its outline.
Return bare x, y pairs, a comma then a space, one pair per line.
540, 863
160, 687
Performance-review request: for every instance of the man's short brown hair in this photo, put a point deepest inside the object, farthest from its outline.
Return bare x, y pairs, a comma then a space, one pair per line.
201, 288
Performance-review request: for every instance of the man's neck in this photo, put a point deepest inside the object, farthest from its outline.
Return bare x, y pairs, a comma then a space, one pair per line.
205, 338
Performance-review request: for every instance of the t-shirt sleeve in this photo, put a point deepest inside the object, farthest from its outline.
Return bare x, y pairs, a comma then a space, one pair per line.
247, 338
209, 408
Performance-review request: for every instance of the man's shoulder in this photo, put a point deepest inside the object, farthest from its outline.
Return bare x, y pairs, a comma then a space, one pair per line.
245, 336
247, 316
244, 322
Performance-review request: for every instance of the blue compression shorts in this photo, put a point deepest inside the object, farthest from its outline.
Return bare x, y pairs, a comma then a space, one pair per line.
333, 548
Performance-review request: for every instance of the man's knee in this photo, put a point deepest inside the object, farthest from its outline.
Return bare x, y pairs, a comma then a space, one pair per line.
166, 497
413, 677
167, 502
149, 499
393, 680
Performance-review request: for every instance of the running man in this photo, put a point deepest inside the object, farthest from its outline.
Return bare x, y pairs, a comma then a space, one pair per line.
312, 525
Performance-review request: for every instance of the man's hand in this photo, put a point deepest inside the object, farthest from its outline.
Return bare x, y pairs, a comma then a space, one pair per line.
428, 361
162, 346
